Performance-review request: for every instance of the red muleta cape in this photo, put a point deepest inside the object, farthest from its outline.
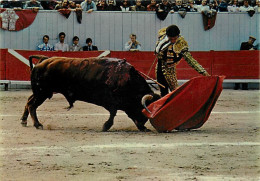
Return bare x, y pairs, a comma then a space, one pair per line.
187, 107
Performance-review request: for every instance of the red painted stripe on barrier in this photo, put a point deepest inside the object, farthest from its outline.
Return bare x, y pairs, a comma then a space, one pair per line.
3, 53
233, 64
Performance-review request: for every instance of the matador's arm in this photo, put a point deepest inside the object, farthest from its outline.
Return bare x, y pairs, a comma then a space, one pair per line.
181, 47
194, 64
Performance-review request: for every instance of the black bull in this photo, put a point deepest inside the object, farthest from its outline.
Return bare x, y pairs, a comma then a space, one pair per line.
108, 82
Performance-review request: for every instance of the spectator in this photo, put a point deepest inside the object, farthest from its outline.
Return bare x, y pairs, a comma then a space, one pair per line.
152, 6
45, 46
49, 5
233, 7
203, 6
111, 5
89, 46
125, 6
178, 5
133, 44
198, 2
138, 6
190, 6
33, 4
72, 5
75, 46
101, 6
222, 7
249, 44
13, 4
165, 6
257, 7
246, 7
61, 45
214, 5
163, 9
246, 46
62, 5
88, 5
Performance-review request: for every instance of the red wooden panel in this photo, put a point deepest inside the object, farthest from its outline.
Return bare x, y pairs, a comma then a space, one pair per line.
82, 54
142, 61
3, 53
233, 64
26, 54
236, 64
15, 69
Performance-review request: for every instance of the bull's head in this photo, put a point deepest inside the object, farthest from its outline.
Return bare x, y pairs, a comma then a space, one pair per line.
148, 99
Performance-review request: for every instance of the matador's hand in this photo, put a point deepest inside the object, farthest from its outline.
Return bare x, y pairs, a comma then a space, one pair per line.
206, 74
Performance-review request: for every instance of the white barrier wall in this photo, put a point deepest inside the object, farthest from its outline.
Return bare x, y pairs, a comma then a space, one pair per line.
110, 30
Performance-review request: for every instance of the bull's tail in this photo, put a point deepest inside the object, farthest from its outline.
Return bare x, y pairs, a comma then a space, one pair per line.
39, 57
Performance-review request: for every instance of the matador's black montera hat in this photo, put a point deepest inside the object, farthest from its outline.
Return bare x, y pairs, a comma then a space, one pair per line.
172, 31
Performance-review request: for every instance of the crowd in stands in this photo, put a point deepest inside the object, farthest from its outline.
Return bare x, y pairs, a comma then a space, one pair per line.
63, 46
138, 5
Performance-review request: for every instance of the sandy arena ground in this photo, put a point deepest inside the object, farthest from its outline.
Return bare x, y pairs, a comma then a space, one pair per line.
72, 146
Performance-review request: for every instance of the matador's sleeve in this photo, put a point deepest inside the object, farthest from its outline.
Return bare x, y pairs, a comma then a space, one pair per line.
193, 63
181, 47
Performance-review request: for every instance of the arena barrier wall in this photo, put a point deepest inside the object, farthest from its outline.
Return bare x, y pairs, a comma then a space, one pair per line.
14, 64
110, 30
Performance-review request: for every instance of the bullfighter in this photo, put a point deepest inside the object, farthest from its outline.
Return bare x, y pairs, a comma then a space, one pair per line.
171, 47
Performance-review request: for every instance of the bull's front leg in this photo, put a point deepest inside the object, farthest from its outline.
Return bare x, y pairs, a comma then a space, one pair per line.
26, 112
139, 120
109, 123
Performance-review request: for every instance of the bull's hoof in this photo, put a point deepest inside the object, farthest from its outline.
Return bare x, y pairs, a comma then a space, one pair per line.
38, 126
145, 130
105, 129
107, 126
24, 123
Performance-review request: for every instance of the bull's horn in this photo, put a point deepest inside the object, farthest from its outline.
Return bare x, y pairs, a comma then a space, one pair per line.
144, 99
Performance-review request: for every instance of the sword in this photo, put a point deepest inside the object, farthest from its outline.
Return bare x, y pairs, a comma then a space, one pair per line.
151, 79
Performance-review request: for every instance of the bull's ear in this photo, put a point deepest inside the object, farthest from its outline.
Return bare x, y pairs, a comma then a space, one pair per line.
144, 99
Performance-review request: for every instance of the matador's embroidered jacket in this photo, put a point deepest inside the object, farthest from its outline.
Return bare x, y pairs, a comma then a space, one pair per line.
169, 55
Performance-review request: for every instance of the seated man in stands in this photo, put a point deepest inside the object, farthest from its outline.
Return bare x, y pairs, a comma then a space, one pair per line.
61, 45
13, 4
190, 6
33, 4
163, 9
246, 46
45, 46
75, 46
89, 6
249, 44
246, 7
62, 5
138, 6
178, 6
222, 7
89, 46
133, 44
257, 6
101, 5
125, 5
111, 6
203, 6
49, 5
152, 6
233, 6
